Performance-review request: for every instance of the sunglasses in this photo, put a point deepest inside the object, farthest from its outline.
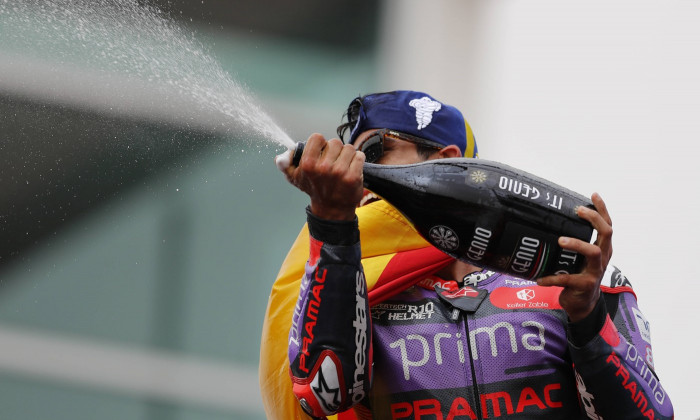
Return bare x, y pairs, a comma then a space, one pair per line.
373, 147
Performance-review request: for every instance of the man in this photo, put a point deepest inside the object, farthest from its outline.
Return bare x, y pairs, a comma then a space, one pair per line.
460, 342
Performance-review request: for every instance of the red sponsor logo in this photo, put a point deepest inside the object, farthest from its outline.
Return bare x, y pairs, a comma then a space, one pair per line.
315, 251
531, 297
463, 292
311, 318
430, 283
494, 404
635, 390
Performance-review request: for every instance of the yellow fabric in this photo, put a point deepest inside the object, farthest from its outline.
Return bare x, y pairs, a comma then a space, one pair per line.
384, 232
471, 149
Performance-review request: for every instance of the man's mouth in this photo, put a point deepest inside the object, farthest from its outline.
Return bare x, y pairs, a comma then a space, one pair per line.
368, 197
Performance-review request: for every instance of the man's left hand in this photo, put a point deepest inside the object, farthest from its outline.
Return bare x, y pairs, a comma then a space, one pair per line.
582, 291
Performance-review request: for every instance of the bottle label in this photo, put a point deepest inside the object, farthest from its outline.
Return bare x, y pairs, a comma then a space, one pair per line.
529, 257
532, 192
444, 238
479, 244
568, 262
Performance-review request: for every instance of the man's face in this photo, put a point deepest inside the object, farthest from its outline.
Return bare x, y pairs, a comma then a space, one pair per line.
396, 152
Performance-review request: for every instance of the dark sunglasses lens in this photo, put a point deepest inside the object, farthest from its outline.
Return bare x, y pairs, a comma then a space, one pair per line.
373, 148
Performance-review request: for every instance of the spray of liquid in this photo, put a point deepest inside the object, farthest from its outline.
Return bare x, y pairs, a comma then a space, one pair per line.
136, 44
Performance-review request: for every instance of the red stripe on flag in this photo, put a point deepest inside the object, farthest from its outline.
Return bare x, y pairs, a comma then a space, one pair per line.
406, 269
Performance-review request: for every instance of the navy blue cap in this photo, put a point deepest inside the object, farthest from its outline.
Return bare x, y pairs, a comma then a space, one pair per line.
418, 114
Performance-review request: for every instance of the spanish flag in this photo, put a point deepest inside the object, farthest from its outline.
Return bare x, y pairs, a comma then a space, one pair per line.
394, 257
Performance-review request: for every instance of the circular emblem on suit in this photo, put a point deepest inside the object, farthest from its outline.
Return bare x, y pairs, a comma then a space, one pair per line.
444, 238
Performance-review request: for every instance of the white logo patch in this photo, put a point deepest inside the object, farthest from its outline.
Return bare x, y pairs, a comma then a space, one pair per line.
643, 325
424, 110
526, 294
473, 279
325, 386
586, 398
444, 238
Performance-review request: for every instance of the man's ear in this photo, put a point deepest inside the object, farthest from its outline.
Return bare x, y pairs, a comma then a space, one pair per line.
450, 151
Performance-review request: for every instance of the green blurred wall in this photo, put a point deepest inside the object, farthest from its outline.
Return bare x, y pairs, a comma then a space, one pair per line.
181, 262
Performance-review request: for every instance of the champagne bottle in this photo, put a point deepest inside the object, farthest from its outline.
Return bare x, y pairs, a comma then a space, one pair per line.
485, 213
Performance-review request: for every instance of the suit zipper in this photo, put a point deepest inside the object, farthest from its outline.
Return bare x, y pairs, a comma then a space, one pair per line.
477, 397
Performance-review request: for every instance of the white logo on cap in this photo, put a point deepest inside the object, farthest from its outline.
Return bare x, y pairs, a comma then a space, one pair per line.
424, 110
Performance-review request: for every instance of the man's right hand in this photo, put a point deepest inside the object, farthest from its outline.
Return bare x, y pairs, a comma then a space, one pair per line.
331, 174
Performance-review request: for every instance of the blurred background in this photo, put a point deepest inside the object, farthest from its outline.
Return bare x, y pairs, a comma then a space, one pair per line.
143, 223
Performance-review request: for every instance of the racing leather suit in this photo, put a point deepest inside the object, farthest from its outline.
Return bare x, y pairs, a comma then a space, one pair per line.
490, 346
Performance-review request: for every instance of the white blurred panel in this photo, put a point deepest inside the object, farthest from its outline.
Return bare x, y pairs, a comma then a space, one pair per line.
596, 96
